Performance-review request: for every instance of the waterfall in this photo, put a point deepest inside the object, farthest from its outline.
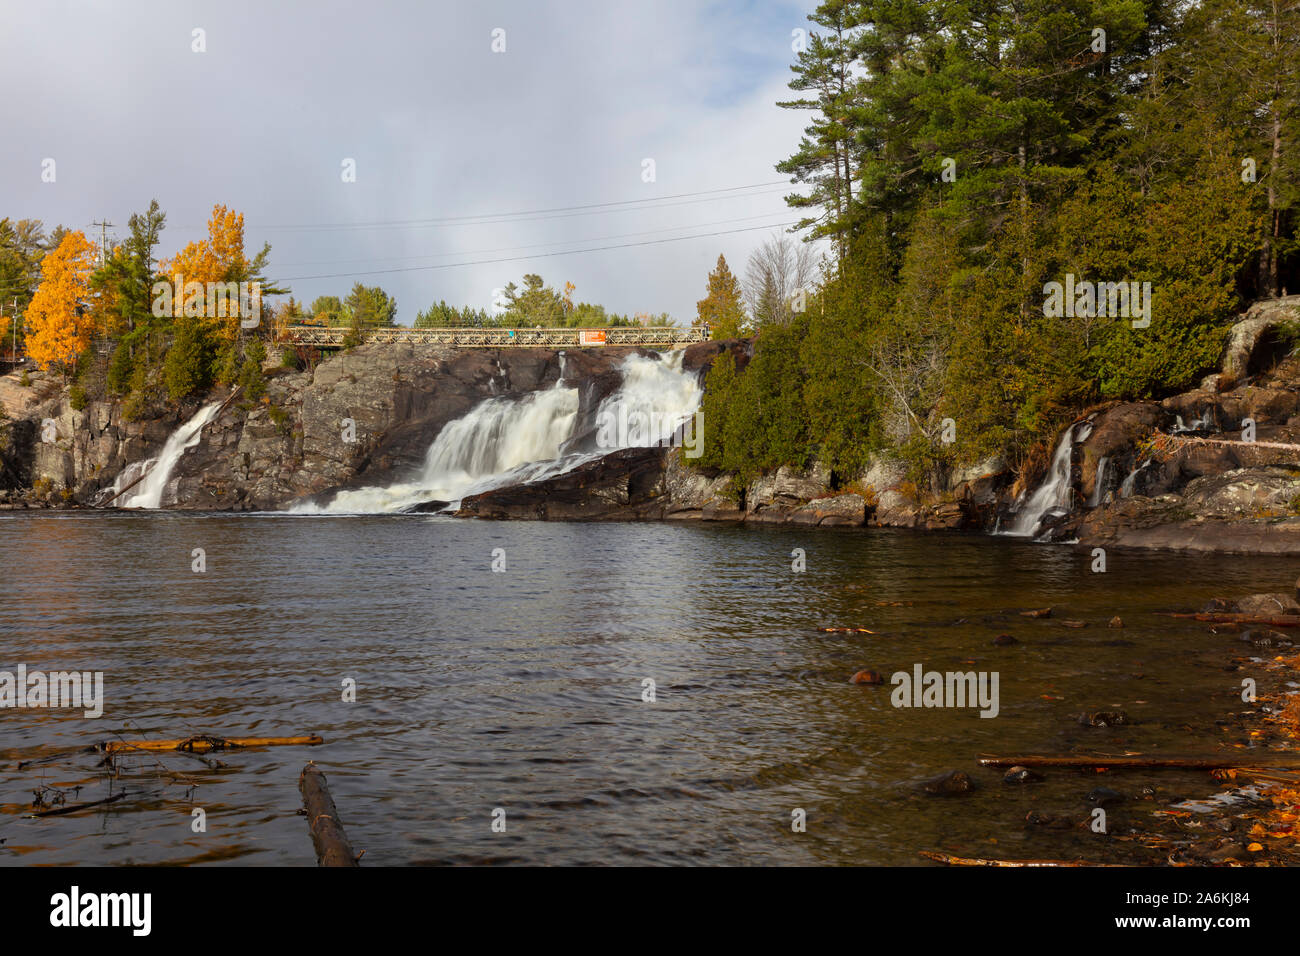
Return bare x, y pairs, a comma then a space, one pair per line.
1054, 492
504, 441
1126, 489
1098, 482
149, 492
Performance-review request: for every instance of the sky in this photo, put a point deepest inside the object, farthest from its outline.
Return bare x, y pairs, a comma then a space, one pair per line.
460, 153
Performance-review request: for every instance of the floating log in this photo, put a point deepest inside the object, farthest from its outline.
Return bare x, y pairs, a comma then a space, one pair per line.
951, 860
1284, 620
1243, 761
204, 743
332, 846
74, 807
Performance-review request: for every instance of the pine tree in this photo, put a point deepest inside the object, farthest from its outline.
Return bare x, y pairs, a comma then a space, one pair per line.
721, 311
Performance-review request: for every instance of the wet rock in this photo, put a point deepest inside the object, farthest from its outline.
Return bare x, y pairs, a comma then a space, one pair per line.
1262, 637
1041, 612
786, 488
1265, 605
1115, 621
867, 677
840, 510
1049, 821
619, 486
1227, 852
1005, 640
949, 784
1074, 624
1103, 718
1018, 775
1104, 797
1216, 606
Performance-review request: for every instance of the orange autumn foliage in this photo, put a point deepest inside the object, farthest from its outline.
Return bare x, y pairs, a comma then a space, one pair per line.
62, 318
219, 258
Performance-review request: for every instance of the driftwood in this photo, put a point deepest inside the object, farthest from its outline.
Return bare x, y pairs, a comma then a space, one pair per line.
204, 743
332, 846
1243, 761
951, 860
1283, 620
139, 478
74, 807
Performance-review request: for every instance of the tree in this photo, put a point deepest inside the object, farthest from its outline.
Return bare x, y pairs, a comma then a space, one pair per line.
329, 310
537, 304
370, 307
61, 319
220, 259
780, 273
722, 311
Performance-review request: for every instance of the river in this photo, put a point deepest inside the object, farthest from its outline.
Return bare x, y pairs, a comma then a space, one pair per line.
522, 689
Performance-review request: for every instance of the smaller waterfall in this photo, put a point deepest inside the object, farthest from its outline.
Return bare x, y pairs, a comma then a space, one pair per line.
1054, 492
1099, 482
149, 492
1126, 489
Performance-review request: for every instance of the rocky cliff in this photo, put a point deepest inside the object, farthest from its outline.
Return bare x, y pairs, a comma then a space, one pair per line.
293, 444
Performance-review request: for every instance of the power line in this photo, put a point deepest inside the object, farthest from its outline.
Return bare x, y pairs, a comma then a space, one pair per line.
499, 216
537, 245
540, 255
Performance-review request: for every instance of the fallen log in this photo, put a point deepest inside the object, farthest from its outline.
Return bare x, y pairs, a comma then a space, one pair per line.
1244, 761
1284, 620
951, 860
139, 478
332, 846
204, 743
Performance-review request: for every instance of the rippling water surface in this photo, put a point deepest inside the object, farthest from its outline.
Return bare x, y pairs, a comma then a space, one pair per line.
522, 690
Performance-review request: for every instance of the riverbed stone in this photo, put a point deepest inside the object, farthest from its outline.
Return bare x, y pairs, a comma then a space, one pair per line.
950, 783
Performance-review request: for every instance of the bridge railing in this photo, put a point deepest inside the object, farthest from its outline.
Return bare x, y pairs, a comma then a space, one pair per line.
666, 337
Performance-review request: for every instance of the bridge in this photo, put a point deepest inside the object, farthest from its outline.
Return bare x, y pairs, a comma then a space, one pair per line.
477, 338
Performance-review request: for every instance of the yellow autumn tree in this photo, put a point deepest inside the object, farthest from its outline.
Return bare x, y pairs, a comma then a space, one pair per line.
63, 317
217, 259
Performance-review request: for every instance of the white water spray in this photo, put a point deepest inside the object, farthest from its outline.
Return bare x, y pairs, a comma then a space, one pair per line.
149, 492
513, 441
1054, 492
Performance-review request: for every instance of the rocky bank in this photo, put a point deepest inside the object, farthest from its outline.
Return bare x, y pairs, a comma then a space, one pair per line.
1214, 468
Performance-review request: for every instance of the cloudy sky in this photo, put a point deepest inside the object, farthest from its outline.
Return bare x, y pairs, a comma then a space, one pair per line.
461, 153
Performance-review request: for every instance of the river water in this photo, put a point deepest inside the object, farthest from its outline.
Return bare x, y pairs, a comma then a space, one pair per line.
522, 690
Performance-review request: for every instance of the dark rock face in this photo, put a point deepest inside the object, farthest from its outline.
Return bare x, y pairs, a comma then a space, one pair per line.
623, 485
292, 445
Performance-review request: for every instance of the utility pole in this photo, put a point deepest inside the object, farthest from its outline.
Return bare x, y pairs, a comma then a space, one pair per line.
13, 342
102, 246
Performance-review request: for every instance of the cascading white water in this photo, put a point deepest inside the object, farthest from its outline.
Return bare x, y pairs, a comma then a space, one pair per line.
149, 492
1054, 492
1130, 482
1098, 482
511, 441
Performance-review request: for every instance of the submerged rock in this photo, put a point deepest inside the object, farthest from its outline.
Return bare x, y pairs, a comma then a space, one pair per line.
1262, 637
867, 677
1103, 718
1104, 797
1005, 640
949, 784
1021, 775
